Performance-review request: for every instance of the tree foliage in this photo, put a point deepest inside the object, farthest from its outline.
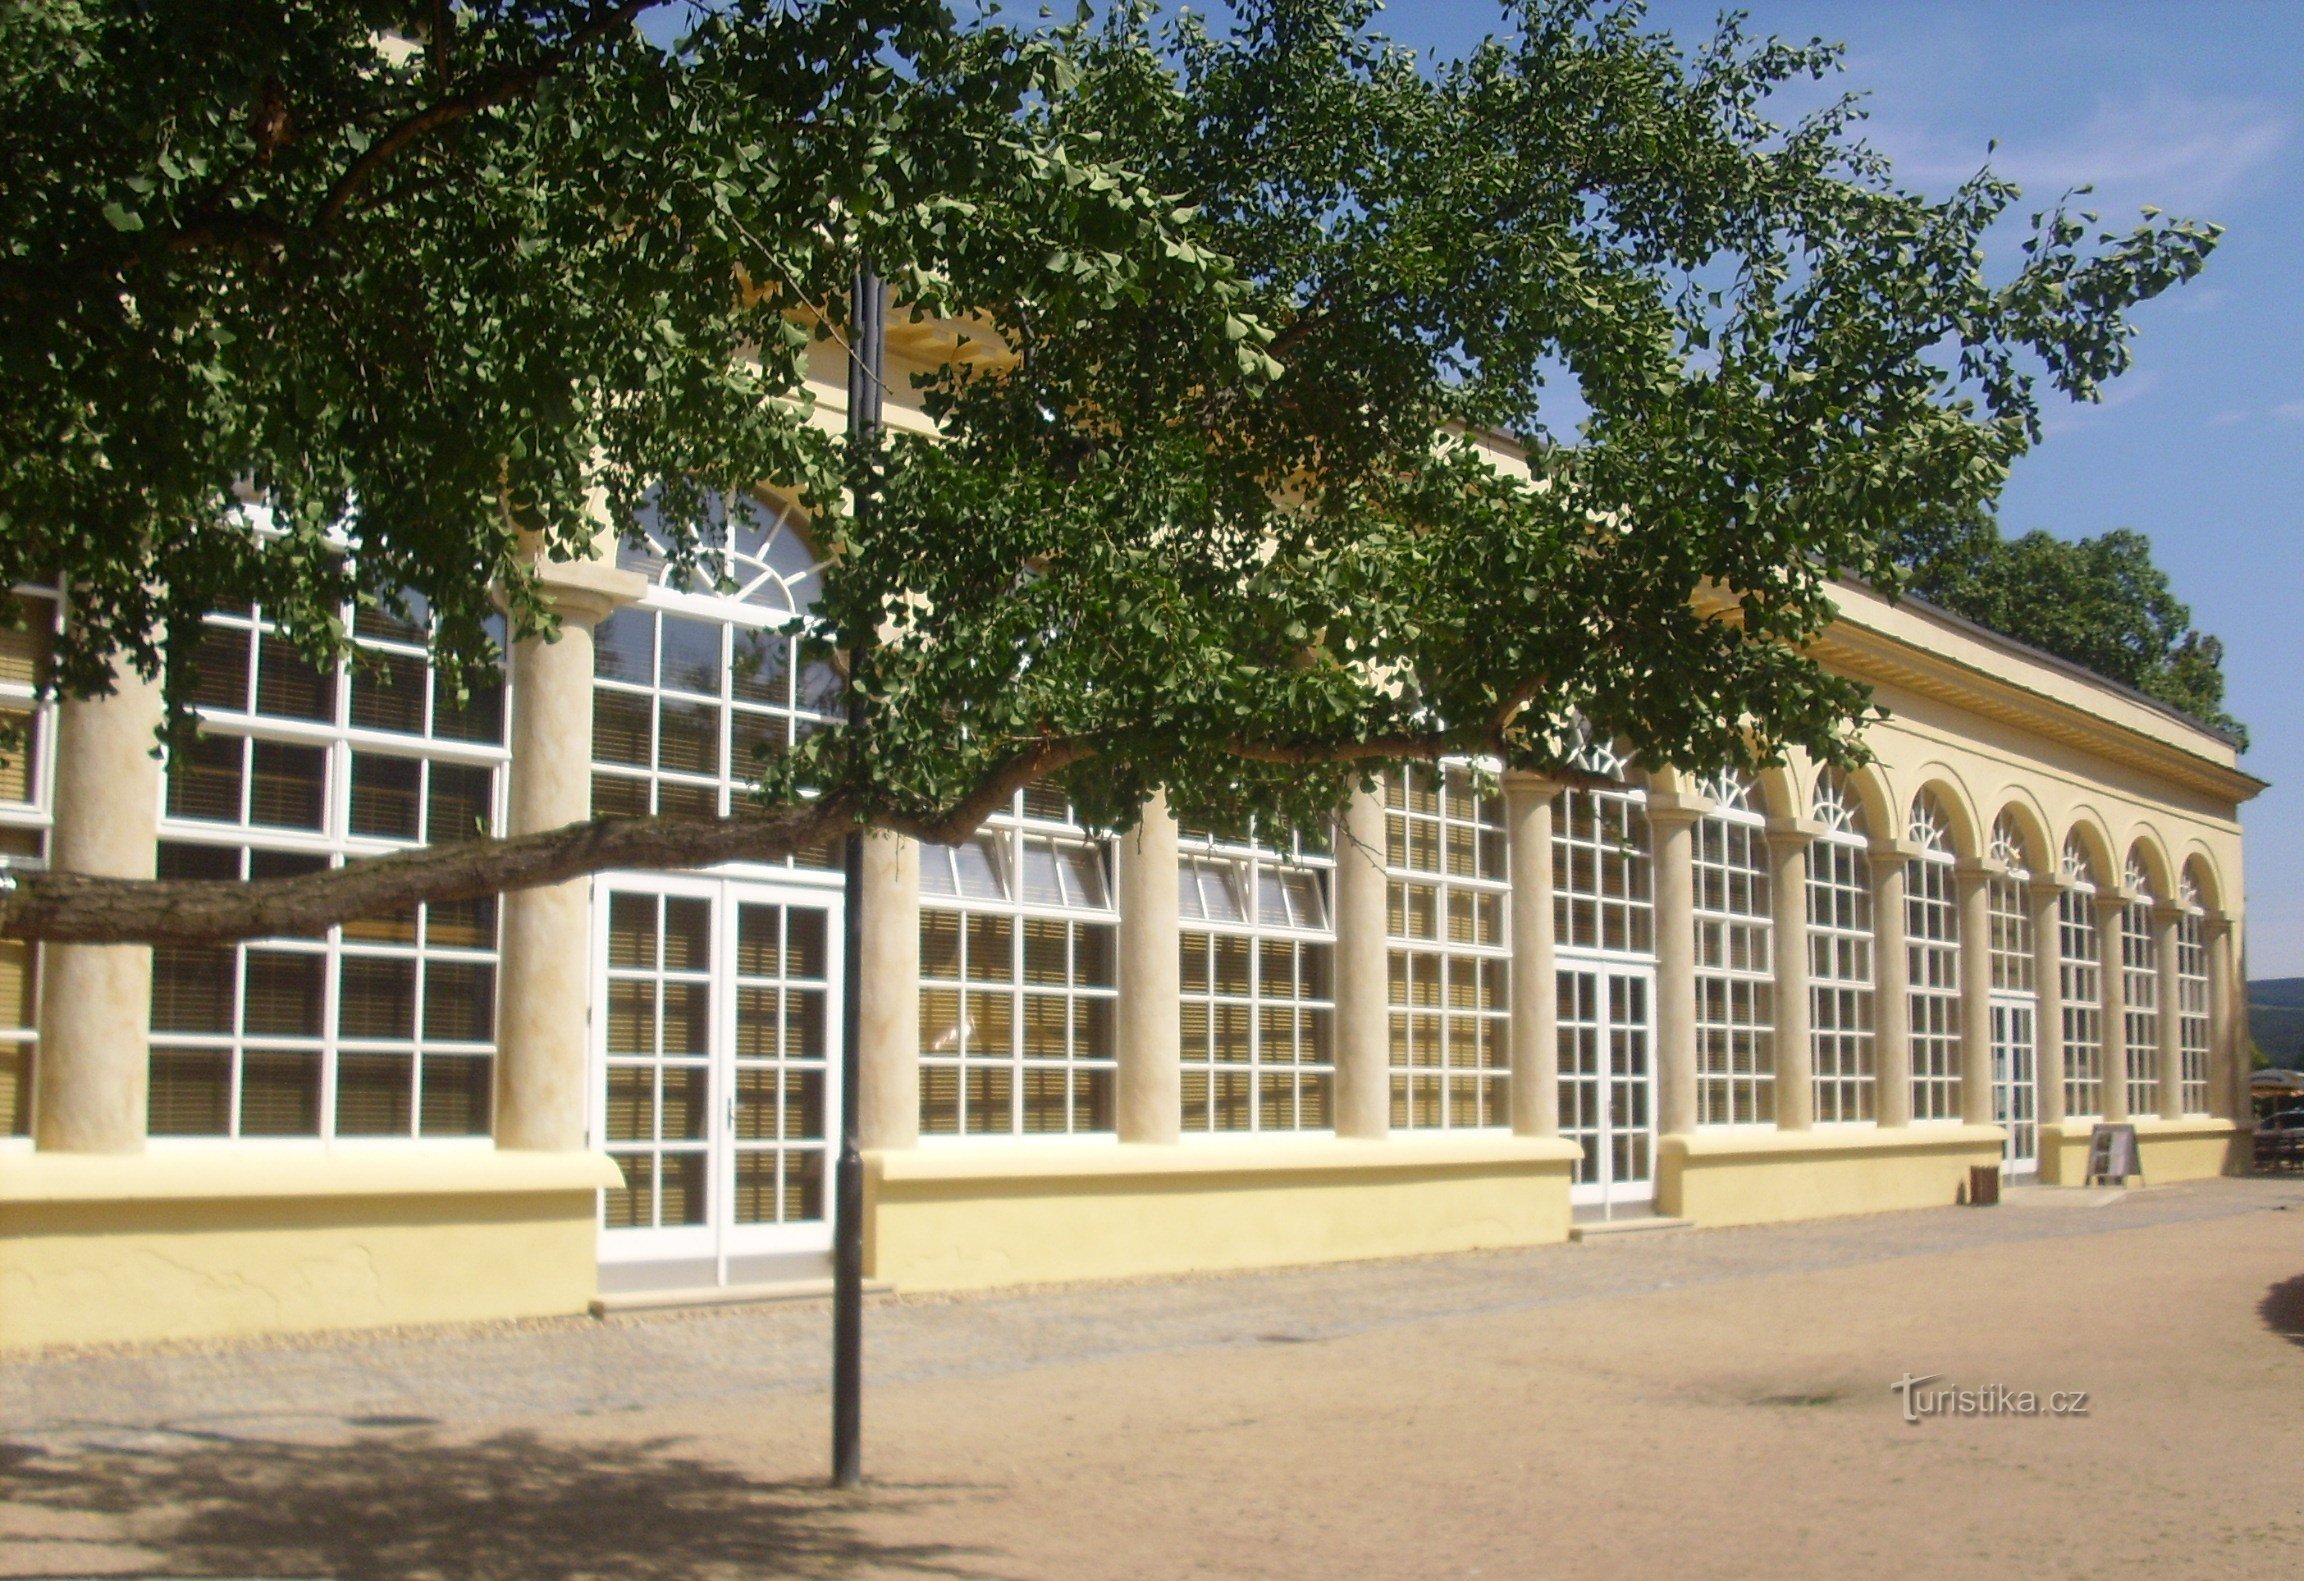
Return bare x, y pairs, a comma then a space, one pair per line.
2100, 602
1209, 517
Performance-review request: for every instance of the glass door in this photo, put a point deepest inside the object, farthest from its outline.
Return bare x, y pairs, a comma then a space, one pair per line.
2015, 1087
715, 1029
1608, 1082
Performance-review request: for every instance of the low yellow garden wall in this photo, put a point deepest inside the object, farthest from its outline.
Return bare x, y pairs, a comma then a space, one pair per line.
967, 1218
95, 1249
2195, 1148
1764, 1177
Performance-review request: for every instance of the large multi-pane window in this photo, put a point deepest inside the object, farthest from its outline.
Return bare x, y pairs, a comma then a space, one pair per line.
1016, 977
1840, 956
1735, 964
2079, 963
1932, 947
706, 680
2192, 997
1603, 896
2140, 981
2009, 894
1449, 889
27, 621
380, 1027
1258, 1004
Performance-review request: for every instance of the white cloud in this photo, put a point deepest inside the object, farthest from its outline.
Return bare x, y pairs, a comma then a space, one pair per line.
2186, 154
2289, 411
2063, 417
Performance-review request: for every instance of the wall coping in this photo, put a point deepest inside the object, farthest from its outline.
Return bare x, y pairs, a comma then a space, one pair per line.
195, 1176
2147, 1127
1706, 1146
1125, 1160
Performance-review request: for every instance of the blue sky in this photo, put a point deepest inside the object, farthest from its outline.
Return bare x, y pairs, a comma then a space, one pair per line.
2196, 107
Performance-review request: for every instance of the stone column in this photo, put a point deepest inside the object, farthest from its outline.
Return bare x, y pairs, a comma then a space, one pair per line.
1672, 822
543, 1044
1363, 972
1151, 1101
2167, 918
2048, 985
1795, 1053
2112, 1101
2227, 1044
1971, 885
1535, 990
1891, 985
888, 1096
96, 999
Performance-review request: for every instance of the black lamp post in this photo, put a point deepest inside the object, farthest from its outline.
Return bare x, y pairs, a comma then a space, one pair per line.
865, 358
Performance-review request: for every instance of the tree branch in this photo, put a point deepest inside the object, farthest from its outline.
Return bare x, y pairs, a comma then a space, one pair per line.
73, 907
508, 86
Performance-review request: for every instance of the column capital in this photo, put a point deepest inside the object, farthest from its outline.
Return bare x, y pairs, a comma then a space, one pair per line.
1531, 782
1801, 832
2115, 900
1888, 849
1978, 870
1677, 807
2216, 921
2168, 913
587, 590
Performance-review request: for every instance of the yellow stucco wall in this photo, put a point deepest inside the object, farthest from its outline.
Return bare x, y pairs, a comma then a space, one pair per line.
1767, 1176
98, 1250
2197, 1148
962, 1218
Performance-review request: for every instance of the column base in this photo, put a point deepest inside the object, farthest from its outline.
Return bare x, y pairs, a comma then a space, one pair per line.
973, 1218
1766, 1177
198, 1244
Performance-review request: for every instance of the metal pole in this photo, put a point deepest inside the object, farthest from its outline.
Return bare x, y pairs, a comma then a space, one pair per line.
866, 355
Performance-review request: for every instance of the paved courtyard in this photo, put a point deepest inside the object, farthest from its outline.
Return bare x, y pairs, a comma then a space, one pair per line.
1688, 1405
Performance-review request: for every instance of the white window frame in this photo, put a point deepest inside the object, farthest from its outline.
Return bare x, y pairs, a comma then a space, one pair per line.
1265, 898
1932, 946
1469, 973
1843, 1033
1735, 960
332, 844
1011, 845
2080, 968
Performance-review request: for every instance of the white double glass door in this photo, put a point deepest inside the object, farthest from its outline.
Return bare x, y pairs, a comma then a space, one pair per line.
2015, 1083
1606, 1031
716, 1029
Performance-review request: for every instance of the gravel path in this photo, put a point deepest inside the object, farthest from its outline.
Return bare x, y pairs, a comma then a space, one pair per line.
316, 1389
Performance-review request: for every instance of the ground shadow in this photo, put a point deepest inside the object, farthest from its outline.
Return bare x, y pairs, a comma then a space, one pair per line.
2283, 1309
515, 1505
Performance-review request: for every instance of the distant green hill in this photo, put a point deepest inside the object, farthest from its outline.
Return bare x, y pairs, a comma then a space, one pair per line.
2276, 1019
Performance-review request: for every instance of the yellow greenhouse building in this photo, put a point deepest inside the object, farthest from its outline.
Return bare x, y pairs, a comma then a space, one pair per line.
1477, 1012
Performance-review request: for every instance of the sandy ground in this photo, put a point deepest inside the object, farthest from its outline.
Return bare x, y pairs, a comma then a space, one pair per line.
1688, 1405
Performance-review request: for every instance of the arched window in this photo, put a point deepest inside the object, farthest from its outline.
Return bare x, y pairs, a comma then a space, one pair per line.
2080, 965
1735, 961
1449, 891
707, 677
2013, 1013
2011, 906
1932, 935
2140, 977
2192, 995
1602, 898
1017, 976
1840, 955
1258, 999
